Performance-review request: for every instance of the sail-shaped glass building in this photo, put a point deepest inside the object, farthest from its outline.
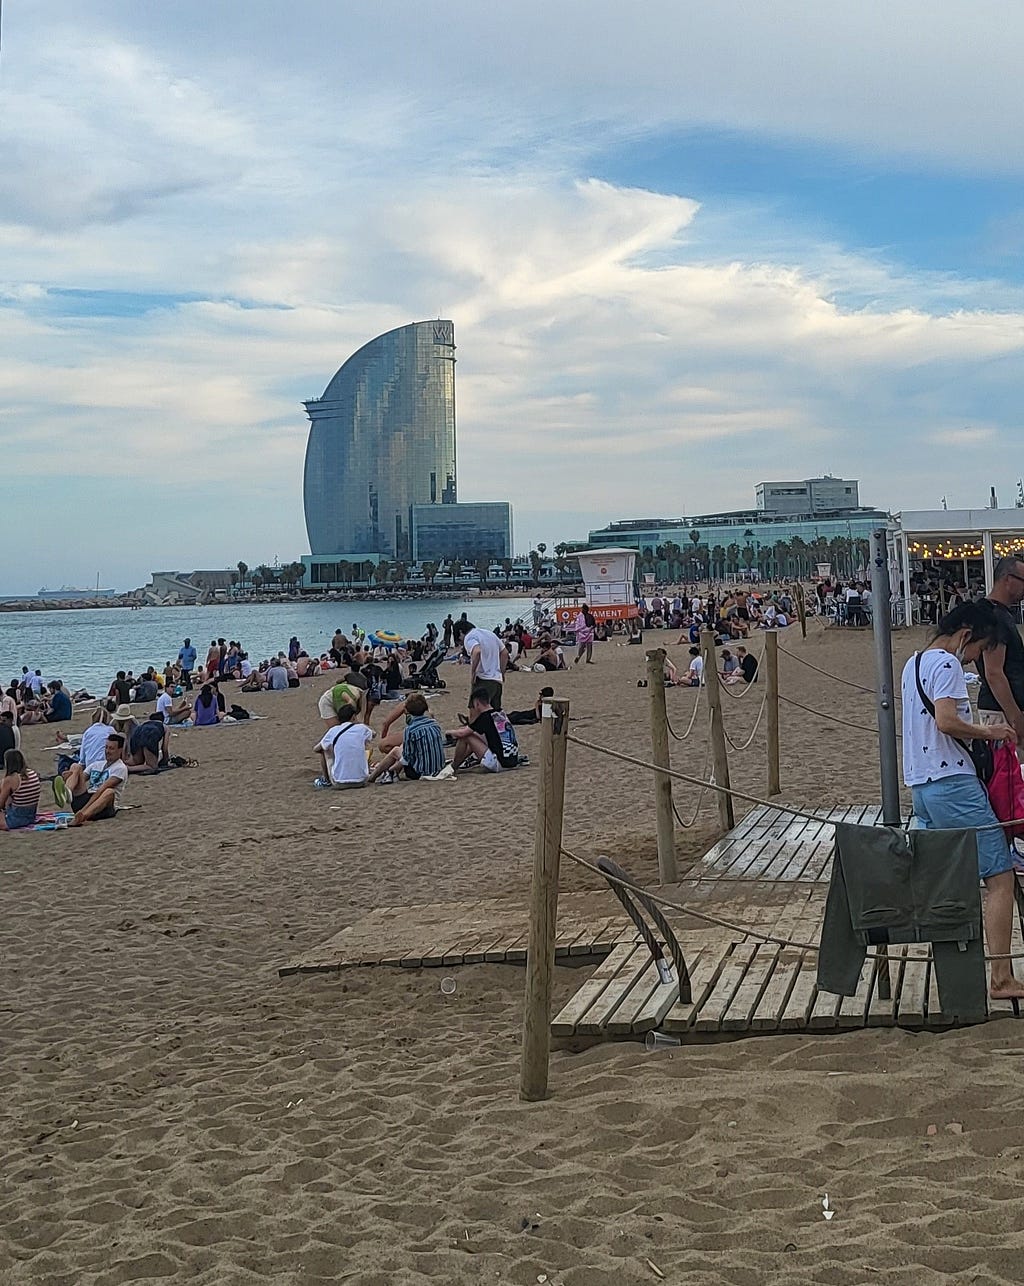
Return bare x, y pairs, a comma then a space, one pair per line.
382, 439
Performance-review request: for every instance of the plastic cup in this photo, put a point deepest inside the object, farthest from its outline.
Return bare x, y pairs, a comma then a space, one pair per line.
655, 1040
448, 986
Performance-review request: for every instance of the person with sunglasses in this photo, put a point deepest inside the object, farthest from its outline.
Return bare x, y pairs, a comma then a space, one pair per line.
1001, 696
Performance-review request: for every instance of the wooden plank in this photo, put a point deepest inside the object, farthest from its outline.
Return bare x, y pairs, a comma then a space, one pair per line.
741, 1008
913, 1001
713, 1009
703, 977
742, 827
620, 1023
882, 1013
593, 1022
771, 1006
565, 1022
800, 1001
666, 998
936, 1015
603, 936
825, 1011
853, 1011
497, 952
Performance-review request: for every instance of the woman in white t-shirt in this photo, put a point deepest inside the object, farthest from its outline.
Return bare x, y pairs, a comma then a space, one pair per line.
937, 766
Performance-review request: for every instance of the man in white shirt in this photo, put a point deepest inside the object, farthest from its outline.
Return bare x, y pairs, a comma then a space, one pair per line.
488, 659
96, 791
343, 747
695, 674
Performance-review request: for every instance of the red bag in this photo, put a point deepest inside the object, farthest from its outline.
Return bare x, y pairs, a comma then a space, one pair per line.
1006, 788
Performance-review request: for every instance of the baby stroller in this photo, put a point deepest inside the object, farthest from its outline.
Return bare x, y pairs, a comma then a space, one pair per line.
427, 676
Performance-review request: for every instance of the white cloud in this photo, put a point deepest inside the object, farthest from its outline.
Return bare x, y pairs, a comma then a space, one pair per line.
612, 360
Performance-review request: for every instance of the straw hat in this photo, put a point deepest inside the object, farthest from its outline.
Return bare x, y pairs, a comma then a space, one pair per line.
123, 712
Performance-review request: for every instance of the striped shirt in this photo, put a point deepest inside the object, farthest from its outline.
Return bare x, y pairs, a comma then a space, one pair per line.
27, 794
423, 746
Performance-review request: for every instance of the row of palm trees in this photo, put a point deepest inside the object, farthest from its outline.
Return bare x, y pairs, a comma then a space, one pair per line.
783, 560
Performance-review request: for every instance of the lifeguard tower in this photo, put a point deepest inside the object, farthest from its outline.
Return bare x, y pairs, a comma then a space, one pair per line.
609, 581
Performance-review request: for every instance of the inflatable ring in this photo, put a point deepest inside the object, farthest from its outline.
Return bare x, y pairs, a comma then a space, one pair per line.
387, 637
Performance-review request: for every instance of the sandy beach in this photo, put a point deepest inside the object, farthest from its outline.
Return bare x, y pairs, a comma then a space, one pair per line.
174, 1110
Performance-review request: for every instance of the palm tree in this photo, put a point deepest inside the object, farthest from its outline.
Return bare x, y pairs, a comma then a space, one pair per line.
298, 574
381, 571
429, 571
398, 573
535, 562
542, 550
234, 581
483, 566
732, 555
455, 567
718, 562
256, 582
506, 567
243, 572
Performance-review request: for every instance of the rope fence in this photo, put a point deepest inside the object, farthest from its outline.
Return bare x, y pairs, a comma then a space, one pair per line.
753, 732
832, 718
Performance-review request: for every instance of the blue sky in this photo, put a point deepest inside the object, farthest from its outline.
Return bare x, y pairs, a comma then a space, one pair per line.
685, 249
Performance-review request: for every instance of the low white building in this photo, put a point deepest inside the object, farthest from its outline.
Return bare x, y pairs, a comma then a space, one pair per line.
952, 535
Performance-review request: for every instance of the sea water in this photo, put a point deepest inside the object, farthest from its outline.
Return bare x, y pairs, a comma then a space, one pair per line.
86, 647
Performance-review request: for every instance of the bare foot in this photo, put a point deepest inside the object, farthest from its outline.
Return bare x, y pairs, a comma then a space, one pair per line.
79, 820
1009, 990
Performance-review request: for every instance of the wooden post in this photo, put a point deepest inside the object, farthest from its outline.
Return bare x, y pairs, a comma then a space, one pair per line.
540, 957
718, 748
801, 608
660, 755
771, 665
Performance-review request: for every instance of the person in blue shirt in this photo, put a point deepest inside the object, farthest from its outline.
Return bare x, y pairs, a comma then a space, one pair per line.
187, 660
60, 704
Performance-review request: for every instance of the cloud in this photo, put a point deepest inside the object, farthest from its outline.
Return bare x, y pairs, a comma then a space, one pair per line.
255, 204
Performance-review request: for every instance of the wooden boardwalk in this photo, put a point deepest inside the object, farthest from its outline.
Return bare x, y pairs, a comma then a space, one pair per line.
769, 873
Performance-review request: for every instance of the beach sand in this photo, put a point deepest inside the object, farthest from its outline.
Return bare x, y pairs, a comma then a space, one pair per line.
173, 1110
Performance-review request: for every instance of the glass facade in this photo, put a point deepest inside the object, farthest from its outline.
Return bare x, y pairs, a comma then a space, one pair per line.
752, 527
464, 531
382, 439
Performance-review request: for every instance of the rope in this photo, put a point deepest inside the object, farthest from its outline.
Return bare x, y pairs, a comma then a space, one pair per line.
693, 719
753, 733
828, 675
700, 798
737, 696
740, 794
834, 718
684, 909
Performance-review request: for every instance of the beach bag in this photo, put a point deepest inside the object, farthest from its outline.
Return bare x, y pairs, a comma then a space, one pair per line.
1006, 788
979, 751
237, 712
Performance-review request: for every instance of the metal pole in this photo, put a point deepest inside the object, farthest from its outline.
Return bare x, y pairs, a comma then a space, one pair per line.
881, 595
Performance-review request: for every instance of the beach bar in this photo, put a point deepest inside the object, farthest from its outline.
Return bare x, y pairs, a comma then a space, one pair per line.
952, 535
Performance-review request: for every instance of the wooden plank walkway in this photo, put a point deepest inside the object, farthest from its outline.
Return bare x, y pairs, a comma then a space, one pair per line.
769, 873
492, 930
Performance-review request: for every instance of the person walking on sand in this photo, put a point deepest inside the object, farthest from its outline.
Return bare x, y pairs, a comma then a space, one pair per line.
584, 627
187, 663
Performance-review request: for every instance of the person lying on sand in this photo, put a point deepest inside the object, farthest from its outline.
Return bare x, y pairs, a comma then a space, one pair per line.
517, 717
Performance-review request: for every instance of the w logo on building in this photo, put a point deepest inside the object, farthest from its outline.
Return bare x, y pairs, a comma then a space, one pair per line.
444, 333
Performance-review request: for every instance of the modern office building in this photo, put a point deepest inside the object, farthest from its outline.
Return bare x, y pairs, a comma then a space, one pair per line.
381, 440
758, 528
467, 531
812, 496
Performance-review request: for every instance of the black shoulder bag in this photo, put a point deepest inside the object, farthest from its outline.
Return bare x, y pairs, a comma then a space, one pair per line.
980, 751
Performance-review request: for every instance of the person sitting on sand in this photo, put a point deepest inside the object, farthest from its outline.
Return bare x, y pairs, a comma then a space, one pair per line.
124, 722
97, 790
730, 671
517, 717
347, 691
19, 793
120, 689
253, 681
489, 736
277, 676
550, 657
343, 749
10, 734
90, 748
748, 665
147, 749
421, 753
59, 709
207, 709
177, 714
694, 676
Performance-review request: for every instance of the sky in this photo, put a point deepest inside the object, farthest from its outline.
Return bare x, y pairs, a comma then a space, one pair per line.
686, 248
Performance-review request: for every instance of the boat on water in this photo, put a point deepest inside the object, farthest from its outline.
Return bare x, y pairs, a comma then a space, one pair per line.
76, 592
